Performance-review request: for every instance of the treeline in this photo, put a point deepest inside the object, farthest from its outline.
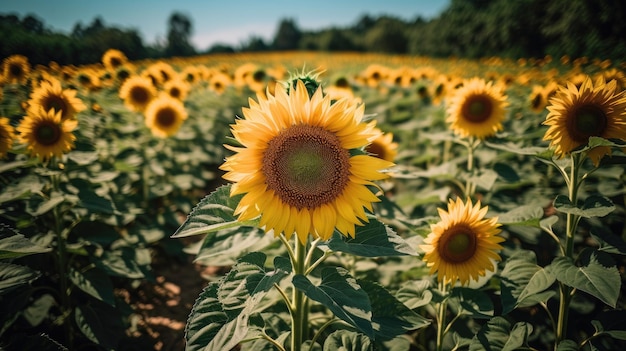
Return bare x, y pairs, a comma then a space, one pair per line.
467, 29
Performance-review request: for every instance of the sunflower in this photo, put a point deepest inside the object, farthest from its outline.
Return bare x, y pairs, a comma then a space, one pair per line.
137, 92
219, 82
51, 95
383, 146
88, 79
463, 245
113, 59
15, 69
7, 135
575, 114
165, 115
46, 133
296, 167
538, 99
477, 109
177, 88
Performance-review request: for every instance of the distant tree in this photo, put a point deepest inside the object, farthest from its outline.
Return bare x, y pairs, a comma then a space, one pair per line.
288, 35
220, 48
387, 35
33, 24
255, 43
335, 39
178, 35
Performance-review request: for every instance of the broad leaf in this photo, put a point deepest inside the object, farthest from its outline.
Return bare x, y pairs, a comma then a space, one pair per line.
374, 239
506, 172
13, 276
598, 141
54, 200
497, 335
594, 206
526, 215
347, 340
390, 317
523, 282
225, 246
609, 241
219, 318
342, 295
598, 276
415, 293
214, 212
95, 283
100, 323
472, 301
13, 244
567, 345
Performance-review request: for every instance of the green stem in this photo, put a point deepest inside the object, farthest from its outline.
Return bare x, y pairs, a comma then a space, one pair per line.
441, 316
470, 187
298, 310
61, 266
565, 291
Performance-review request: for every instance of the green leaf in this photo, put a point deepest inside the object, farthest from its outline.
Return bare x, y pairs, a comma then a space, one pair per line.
513, 148
342, 295
472, 301
100, 323
609, 241
598, 276
83, 158
567, 345
21, 189
347, 340
390, 317
415, 293
214, 212
598, 141
523, 282
506, 172
13, 245
13, 276
497, 335
525, 215
485, 180
54, 200
374, 239
95, 283
594, 206
219, 317
120, 263
225, 246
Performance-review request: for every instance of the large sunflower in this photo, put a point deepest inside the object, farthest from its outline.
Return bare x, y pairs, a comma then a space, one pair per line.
296, 167
477, 109
7, 135
51, 95
463, 245
46, 133
165, 115
15, 69
575, 114
137, 92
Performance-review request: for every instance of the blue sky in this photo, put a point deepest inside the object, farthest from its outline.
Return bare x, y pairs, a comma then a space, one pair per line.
230, 21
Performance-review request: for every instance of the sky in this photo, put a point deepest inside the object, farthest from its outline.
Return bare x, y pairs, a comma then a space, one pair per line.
230, 22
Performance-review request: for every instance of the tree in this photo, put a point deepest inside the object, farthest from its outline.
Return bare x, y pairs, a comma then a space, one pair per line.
179, 32
288, 36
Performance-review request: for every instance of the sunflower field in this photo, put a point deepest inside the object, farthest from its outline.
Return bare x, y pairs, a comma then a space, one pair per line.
343, 201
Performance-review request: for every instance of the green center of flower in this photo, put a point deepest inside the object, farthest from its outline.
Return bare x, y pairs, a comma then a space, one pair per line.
306, 166
165, 117
457, 244
477, 108
586, 121
47, 133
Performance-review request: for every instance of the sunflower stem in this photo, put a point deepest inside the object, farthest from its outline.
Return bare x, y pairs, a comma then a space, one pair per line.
441, 315
565, 291
298, 311
470, 187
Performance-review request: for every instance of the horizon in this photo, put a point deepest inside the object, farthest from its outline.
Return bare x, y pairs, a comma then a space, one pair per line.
213, 25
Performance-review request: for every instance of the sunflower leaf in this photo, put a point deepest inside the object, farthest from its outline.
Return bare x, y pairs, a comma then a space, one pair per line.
594, 206
497, 335
523, 283
526, 215
597, 276
595, 141
374, 239
214, 212
609, 242
13, 244
13, 276
219, 319
342, 295
473, 302
347, 340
